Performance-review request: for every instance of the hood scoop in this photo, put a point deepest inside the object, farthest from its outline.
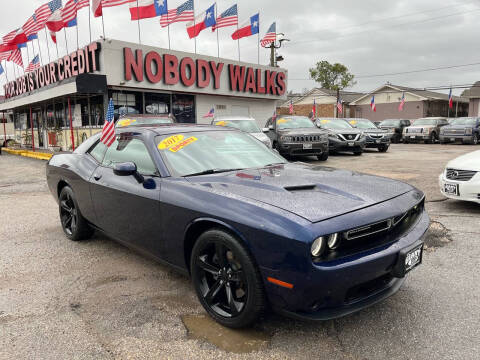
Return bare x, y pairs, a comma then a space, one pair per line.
298, 188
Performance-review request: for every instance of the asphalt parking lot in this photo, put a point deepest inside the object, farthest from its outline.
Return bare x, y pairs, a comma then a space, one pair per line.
97, 299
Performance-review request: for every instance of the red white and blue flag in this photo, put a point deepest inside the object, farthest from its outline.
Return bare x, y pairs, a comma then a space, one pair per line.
450, 99
339, 106
16, 57
314, 109
144, 9
34, 64
270, 36
184, 12
55, 21
402, 103
31, 26
248, 28
274, 117
210, 114
98, 5
45, 11
69, 11
108, 131
227, 18
372, 104
202, 22
15, 37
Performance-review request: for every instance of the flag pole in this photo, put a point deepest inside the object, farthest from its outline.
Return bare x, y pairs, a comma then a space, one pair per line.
103, 26
238, 41
48, 47
168, 28
194, 24
56, 45
216, 17
76, 27
258, 38
39, 50
28, 54
89, 22
5, 69
66, 44
138, 23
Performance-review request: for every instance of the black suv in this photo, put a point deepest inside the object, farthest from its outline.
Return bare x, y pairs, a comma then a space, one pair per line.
395, 128
374, 137
297, 136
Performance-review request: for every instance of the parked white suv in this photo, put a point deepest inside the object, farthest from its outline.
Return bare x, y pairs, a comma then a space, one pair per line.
461, 178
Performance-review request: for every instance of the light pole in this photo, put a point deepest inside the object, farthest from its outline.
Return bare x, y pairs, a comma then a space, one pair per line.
274, 59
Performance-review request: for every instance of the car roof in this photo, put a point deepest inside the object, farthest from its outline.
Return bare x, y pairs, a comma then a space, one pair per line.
433, 118
232, 118
165, 129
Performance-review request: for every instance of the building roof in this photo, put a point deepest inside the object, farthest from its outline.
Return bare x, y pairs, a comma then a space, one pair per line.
346, 96
474, 91
425, 94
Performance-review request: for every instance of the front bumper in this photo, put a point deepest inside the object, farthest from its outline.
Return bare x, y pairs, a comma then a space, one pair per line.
468, 190
297, 149
416, 136
347, 285
375, 143
340, 145
467, 139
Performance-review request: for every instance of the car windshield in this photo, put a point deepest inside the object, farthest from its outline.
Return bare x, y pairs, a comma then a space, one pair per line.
464, 121
425, 122
249, 126
390, 122
124, 122
362, 124
333, 124
294, 122
196, 153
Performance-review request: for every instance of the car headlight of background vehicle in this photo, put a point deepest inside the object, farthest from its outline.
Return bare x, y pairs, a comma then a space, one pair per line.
323, 242
333, 136
286, 138
468, 131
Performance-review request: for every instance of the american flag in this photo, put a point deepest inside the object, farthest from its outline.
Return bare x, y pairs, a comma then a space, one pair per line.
450, 99
111, 3
82, 3
16, 57
182, 13
270, 36
53, 35
4, 55
44, 12
1, 69
228, 18
274, 117
372, 104
314, 109
69, 11
34, 64
31, 26
402, 103
210, 114
339, 106
108, 131
10, 36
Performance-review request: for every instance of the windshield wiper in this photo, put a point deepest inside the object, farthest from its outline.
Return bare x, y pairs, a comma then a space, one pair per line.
211, 171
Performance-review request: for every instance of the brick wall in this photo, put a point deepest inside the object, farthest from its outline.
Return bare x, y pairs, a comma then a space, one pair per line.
323, 110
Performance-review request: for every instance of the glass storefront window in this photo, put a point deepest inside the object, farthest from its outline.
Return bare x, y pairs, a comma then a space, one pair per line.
50, 117
59, 114
96, 110
183, 108
157, 103
127, 103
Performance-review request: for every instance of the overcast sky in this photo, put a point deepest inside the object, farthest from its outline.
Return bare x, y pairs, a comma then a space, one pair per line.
369, 37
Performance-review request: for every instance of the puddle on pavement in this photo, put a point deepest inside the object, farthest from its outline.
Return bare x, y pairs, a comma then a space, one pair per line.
236, 341
437, 236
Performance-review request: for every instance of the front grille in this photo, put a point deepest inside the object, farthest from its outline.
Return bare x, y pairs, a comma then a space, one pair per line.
414, 130
449, 132
460, 175
306, 138
368, 288
373, 235
376, 136
350, 137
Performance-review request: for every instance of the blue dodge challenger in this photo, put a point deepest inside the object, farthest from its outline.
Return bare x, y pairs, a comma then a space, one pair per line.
251, 230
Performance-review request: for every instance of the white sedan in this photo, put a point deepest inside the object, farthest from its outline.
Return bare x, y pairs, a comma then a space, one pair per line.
461, 178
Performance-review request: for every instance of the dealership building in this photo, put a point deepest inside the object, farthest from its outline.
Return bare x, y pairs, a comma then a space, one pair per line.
140, 79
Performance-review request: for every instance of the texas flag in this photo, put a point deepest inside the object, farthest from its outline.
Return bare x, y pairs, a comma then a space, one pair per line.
55, 21
144, 9
402, 103
97, 8
372, 104
248, 28
202, 22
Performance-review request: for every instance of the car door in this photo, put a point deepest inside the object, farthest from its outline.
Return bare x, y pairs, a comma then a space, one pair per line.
129, 209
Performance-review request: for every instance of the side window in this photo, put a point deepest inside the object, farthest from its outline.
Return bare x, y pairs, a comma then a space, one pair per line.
98, 151
128, 149
269, 122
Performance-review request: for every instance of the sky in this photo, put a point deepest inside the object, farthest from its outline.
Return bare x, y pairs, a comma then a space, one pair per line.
369, 37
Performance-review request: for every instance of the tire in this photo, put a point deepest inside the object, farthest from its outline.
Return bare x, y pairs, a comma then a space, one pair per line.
405, 141
323, 157
396, 139
431, 140
358, 153
383, 148
475, 139
74, 225
226, 280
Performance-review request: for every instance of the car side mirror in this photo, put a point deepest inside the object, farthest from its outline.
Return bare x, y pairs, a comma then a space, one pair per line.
265, 130
270, 127
128, 169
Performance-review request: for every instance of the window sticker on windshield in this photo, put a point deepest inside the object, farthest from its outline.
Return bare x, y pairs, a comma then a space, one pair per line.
324, 121
282, 121
353, 122
170, 141
126, 122
221, 123
183, 144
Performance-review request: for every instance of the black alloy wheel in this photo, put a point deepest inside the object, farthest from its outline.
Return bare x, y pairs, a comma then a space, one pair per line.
383, 148
226, 280
358, 153
323, 157
74, 225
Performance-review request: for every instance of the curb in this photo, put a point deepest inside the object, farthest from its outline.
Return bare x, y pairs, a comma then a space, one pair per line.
29, 154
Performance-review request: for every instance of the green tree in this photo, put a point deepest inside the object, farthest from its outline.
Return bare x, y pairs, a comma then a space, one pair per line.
332, 76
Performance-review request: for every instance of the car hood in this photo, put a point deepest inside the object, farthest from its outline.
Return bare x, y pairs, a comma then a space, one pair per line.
470, 161
344, 131
315, 193
383, 127
300, 131
421, 127
451, 127
374, 131
260, 136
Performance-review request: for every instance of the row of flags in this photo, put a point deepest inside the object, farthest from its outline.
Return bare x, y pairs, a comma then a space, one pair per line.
55, 16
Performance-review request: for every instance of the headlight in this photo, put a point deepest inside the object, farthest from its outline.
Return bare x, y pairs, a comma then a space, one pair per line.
468, 131
333, 241
318, 246
286, 138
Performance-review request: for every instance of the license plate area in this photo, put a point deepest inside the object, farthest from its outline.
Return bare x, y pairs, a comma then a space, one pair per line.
413, 258
412, 136
351, 144
451, 189
407, 260
307, 146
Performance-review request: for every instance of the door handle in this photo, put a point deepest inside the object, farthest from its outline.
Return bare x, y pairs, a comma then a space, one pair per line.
97, 177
